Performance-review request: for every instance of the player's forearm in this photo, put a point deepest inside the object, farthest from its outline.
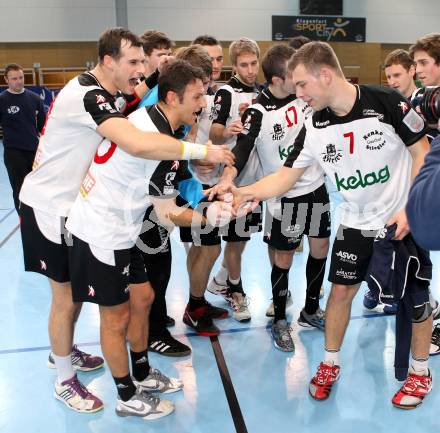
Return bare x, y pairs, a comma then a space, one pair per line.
216, 134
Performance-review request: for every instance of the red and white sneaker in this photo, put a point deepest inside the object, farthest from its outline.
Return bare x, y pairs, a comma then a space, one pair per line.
321, 384
413, 391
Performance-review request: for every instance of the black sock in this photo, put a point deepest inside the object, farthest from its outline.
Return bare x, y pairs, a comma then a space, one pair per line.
125, 387
315, 276
196, 302
139, 364
235, 288
280, 284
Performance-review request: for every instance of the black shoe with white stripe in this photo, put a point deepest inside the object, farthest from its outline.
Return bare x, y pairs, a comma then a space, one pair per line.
166, 345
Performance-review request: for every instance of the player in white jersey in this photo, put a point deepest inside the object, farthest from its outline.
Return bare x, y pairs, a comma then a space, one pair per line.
83, 113
230, 101
370, 143
270, 128
105, 222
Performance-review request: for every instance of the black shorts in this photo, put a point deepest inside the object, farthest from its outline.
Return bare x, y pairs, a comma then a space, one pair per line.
238, 230
40, 254
100, 283
351, 254
308, 214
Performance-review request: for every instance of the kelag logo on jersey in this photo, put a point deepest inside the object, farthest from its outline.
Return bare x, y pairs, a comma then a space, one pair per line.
284, 152
278, 132
331, 154
361, 180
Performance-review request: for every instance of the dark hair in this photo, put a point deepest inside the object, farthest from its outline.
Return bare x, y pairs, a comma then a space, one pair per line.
110, 42
313, 55
205, 40
175, 76
154, 39
197, 56
12, 67
399, 57
429, 43
298, 41
274, 61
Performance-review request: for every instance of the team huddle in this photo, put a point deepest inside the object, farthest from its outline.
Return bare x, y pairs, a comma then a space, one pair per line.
147, 141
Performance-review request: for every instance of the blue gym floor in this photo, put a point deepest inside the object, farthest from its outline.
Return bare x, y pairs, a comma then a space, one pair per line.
250, 387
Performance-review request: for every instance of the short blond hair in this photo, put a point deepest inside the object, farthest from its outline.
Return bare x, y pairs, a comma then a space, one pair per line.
243, 46
313, 56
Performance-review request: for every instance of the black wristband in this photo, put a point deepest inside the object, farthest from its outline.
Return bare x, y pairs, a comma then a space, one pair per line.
151, 80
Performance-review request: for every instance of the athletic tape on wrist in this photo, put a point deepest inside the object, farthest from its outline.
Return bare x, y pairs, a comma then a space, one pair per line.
193, 150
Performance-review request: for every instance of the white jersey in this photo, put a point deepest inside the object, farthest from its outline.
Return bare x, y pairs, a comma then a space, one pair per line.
227, 101
67, 145
109, 210
364, 154
204, 120
270, 128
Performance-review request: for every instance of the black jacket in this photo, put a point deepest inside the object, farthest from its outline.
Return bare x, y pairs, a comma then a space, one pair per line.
403, 269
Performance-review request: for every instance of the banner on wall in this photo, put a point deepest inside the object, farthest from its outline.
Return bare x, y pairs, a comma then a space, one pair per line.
319, 28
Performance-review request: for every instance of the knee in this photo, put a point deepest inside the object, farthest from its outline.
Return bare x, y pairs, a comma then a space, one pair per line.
283, 259
340, 293
421, 313
319, 248
141, 297
115, 320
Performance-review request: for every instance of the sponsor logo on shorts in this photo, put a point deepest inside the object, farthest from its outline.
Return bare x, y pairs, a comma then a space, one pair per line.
347, 275
91, 291
362, 180
347, 257
43, 265
126, 270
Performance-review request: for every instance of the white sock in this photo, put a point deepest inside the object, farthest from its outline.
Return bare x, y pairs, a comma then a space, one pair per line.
64, 367
331, 357
234, 281
222, 276
420, 366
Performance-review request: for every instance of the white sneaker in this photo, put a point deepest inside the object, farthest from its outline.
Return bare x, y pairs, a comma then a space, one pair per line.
218, 289
239, 305
144, 405
158, 382
270, 312
76, 396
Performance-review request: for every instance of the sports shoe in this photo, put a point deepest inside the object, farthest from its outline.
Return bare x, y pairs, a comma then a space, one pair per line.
270, 312
217, 289
373, 304
281, 336
370, 301
81, 361
239, 304
200, 321
436, 311
144, 405
216, 312
158, 382
435, 341
167, 345
76, 396
310, 321
321, 384
413, 391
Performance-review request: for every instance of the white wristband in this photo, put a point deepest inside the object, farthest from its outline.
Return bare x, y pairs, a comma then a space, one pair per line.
193, 150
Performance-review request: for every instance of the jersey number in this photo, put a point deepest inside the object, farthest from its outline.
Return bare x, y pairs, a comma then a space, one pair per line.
350, 136
290, 117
